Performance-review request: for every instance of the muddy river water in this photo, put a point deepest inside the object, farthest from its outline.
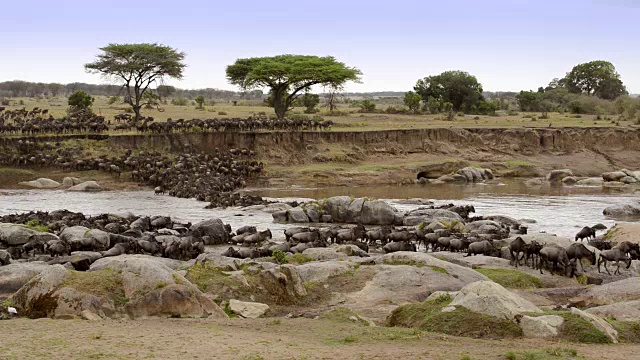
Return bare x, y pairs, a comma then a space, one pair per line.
562, 210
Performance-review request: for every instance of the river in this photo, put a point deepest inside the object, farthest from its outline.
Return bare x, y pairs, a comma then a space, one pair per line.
562, 211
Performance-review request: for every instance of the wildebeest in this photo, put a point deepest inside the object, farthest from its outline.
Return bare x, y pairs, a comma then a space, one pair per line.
484, 247
517, 246
616, 254
585, 233
557, 256
578, 252
399, 246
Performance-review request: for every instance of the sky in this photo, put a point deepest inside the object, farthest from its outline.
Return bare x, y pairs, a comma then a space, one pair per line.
507, 45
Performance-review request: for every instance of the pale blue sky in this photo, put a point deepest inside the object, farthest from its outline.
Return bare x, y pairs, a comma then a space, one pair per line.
508, 45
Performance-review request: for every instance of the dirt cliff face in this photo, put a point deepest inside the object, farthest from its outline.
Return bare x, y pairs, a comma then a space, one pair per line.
393, 155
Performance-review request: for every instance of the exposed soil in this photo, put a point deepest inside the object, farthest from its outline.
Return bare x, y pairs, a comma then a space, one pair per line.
260, 339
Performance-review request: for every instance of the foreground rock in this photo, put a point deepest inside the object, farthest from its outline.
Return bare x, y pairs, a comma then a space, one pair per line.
624, 232
599, 323
14, 276
13, 234
213, 231
87, 186
248, 310
70, 181
546, 326
617, 291
489, 298
114, 287
41, 183
622, 311
623, 210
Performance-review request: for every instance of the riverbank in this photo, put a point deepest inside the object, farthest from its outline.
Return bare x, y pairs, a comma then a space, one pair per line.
395, 156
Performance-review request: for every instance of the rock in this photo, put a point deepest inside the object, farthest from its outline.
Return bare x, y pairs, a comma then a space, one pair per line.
623, 210
320, 254
624, 231
394, 285
545, 326
509, 221
474, 174
415, 201
427, 216
437, 294
218, 261
88, 315
318, 272
14, 234
613, 185
70, 181
15, 275
76, 234
285, 283
590, 182
297, 215
628, 180
41, 183
611, 293
489, 298
622, 311
473, 262
326, 219
213, 228
5, 258
269, 208
313, 212
280, 216
351, 250
556, 176
336, 206
453, 178
86, 186
613, 176
570, 180
248, 310
534, 182
377, 212
485, 225
599, 323
436, 170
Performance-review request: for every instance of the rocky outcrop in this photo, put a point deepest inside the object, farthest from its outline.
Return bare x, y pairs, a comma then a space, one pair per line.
41, 183
622, 311
611, 293
87, 186
248, 310
599, 323
427, 216
623, 210
321, 271
545, 326
214, 229
556, 176
14, 276
341, 209
114, 287
489, 298
14, 234
613, 176
70, 181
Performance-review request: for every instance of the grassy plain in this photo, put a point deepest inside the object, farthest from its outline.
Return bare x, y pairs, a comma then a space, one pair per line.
351, 120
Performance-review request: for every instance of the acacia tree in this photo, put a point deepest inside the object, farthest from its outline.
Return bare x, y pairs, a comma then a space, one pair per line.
596, 77
459, 88
289, 76
137, 66
412, 100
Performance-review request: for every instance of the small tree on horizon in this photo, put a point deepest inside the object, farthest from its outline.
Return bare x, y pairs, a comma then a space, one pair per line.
200, 101
80, 100
136, 67
412, 101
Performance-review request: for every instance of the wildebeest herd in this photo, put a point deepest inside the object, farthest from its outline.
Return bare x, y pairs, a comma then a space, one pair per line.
39, 121
191, 174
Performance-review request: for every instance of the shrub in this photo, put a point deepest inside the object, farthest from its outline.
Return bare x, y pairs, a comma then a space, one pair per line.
180, 102
222, 113
113, 99
200, 102
4, 102
367, 106
80, 99
128, 110
21, 102
279, 256
544, 116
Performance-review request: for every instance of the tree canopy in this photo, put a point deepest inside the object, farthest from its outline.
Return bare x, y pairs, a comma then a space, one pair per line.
459, 88
596, 77
412, 100
80, 100
289, 76
137, 66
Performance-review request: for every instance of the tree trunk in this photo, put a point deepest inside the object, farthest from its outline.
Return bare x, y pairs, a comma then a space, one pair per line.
279, 104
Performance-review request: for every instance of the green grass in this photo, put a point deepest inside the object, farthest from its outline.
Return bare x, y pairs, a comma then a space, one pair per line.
512, 279
342, 315
628, 331
298, 259
208, 278
544, 354
35, 225
428, 316
107, 282
577, 329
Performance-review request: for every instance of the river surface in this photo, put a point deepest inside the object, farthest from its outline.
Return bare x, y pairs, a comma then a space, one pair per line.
561, 211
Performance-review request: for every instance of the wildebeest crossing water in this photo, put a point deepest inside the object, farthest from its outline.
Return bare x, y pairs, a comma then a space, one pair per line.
561, 215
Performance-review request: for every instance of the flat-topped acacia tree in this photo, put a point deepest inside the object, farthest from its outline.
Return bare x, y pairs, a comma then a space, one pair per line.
137, 66
289, 76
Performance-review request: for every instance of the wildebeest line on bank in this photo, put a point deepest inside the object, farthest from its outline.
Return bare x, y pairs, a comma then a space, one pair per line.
35, 122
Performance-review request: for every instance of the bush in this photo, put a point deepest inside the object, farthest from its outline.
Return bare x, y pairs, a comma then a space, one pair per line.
367, 106
21, 102
4, 102
128, 110
180, 102
279, 256
222, 113
81, 100
113, 99
200, 101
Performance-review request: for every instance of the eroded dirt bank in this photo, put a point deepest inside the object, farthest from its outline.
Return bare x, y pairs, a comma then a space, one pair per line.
393, 156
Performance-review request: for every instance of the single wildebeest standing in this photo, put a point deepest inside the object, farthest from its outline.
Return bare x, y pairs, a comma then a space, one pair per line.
533, 251
484, 247
585, 233
398, 246
288, 233
516, 247
555, 255
305, 237
578, 252
616, 254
